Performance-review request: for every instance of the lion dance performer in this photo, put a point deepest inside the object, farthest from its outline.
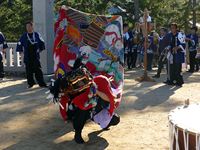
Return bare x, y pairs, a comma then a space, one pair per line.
88, 57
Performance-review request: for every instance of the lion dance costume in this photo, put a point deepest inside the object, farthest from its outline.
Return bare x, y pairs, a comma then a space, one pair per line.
88, 65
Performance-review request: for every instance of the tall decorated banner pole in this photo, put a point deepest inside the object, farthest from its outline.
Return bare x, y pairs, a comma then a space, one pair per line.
145, 76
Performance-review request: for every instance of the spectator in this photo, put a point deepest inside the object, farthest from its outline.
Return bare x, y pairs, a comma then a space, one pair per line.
150, 53
137, 35
126, 41
31, 44
163, 43
140, 53
154, 45
3, 46
192, 40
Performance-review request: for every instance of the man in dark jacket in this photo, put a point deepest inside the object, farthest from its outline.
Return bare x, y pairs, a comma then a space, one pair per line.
31, 44
3, 46
192, 40
163, 42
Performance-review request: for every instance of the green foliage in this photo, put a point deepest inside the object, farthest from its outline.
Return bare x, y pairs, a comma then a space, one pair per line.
90, 6
166, 11
14, 16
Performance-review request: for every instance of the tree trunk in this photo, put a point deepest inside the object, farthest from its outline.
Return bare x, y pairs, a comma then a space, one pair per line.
187, 14
136, 10
194, 20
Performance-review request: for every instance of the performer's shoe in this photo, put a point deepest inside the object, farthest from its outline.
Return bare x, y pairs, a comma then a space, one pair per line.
78, 138
156, 76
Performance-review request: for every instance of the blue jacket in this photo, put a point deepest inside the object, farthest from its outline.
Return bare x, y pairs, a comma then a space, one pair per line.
22, 45
194, 43
179, 57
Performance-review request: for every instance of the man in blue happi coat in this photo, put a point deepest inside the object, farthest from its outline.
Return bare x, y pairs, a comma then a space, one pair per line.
3, 46
31, 44
176, 56
192, 40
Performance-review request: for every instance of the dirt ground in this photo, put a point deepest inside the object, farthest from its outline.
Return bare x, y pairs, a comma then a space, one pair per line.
29, 122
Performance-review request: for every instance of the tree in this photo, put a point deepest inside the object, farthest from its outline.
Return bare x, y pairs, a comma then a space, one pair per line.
13, 17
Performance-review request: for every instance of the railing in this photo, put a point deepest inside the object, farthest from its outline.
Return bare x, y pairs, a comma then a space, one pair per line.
13, 62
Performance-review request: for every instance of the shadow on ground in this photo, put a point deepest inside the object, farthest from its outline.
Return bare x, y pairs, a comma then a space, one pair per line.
31, 107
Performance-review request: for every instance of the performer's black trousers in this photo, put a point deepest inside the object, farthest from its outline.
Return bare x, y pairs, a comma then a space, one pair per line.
32, 68
193, 62
79, 119
1, 67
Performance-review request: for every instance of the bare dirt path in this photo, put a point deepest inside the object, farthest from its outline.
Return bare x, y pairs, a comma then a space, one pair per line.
28, 122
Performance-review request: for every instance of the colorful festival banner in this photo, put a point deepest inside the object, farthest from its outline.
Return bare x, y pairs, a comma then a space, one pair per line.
97, 38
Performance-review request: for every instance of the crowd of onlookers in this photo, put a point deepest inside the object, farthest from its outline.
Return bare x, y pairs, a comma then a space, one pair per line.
170, 46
